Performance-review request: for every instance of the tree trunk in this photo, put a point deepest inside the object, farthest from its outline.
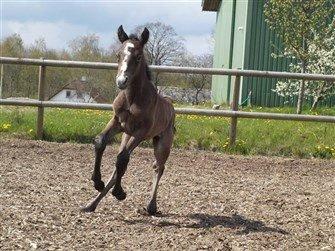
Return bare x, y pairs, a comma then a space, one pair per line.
301, 96
318, 96
315, 103
1, 80
301, 89
302, 84
196, 96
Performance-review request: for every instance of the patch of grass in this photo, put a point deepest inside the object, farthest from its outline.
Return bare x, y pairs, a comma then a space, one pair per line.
255, 137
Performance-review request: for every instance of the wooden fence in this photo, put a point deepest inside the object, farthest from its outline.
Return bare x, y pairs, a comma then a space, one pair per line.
233, 113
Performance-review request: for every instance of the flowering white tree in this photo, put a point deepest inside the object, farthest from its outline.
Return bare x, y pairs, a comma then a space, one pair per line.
321, 61
299, 24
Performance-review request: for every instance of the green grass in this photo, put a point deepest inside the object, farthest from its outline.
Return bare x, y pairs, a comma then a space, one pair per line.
255, 137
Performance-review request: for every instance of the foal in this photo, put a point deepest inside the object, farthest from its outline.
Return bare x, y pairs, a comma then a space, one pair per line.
140, 113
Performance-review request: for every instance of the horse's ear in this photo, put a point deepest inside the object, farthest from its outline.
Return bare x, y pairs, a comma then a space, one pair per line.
121, 34
144, 36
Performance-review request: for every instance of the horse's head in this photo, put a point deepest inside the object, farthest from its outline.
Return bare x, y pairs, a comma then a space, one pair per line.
129, 56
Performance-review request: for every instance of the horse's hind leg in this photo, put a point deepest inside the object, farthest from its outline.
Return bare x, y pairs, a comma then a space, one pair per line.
100, 143
162, 146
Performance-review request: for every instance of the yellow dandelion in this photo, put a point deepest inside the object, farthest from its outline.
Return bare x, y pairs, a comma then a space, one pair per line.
6, 126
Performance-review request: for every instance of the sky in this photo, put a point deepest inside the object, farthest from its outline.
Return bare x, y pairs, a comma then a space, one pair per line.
58, 22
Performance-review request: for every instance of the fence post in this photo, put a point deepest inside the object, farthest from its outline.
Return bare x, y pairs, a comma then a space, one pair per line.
40, 109
234, 107
1, 80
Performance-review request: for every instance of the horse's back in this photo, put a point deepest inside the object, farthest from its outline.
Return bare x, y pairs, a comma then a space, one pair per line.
166, 105
164, 115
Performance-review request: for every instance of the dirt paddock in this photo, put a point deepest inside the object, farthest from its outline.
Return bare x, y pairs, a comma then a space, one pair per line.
207, 201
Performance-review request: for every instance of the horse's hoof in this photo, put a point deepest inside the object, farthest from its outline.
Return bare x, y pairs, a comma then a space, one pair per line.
142, 211
99, 185
119, 194
152, 209
87, 209
145, 212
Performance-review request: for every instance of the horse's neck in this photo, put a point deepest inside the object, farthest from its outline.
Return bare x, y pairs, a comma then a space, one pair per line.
141, 89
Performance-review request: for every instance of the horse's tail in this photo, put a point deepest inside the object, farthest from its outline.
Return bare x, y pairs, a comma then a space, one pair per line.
174, 122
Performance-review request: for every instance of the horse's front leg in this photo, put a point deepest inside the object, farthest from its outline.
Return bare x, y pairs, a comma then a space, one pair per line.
100, 142
128, 144
126, 148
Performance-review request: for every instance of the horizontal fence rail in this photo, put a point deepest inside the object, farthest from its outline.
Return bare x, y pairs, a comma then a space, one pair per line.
186, 111
169, 69
233, 113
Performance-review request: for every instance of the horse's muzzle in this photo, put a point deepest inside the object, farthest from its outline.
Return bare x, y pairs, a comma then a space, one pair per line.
121, 82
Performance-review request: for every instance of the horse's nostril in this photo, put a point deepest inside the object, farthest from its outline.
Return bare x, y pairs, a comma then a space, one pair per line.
121, 82
124, 80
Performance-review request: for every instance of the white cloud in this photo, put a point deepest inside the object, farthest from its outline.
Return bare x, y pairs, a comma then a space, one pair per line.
199, 44
56, 34
61, 21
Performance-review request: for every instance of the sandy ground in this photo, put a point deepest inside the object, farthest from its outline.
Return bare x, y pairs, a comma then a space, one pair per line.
208, 201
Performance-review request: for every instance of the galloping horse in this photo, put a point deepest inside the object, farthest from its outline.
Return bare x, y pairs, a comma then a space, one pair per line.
140, 113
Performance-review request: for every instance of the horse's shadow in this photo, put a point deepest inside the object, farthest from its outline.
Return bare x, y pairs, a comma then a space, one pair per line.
205, 221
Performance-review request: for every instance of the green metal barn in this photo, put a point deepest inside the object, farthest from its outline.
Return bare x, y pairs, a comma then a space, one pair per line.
243, 40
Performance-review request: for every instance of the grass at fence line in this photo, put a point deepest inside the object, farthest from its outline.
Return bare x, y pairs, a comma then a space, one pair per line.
255, 137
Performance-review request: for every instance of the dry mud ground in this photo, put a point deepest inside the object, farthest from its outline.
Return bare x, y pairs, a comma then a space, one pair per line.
208, 201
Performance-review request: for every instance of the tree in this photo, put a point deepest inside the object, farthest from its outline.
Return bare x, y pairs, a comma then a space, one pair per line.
29, 74
12, 46
197, 81
300, 24
322, 61
38, 49
22, 80
164, 45
87, 48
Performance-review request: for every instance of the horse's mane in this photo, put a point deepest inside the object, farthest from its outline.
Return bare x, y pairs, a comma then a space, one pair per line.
135, 37
148, 71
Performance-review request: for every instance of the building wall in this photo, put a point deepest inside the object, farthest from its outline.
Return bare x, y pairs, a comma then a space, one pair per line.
221, 59
261, 43
61, 97
239, 41
230, 32
243, 40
